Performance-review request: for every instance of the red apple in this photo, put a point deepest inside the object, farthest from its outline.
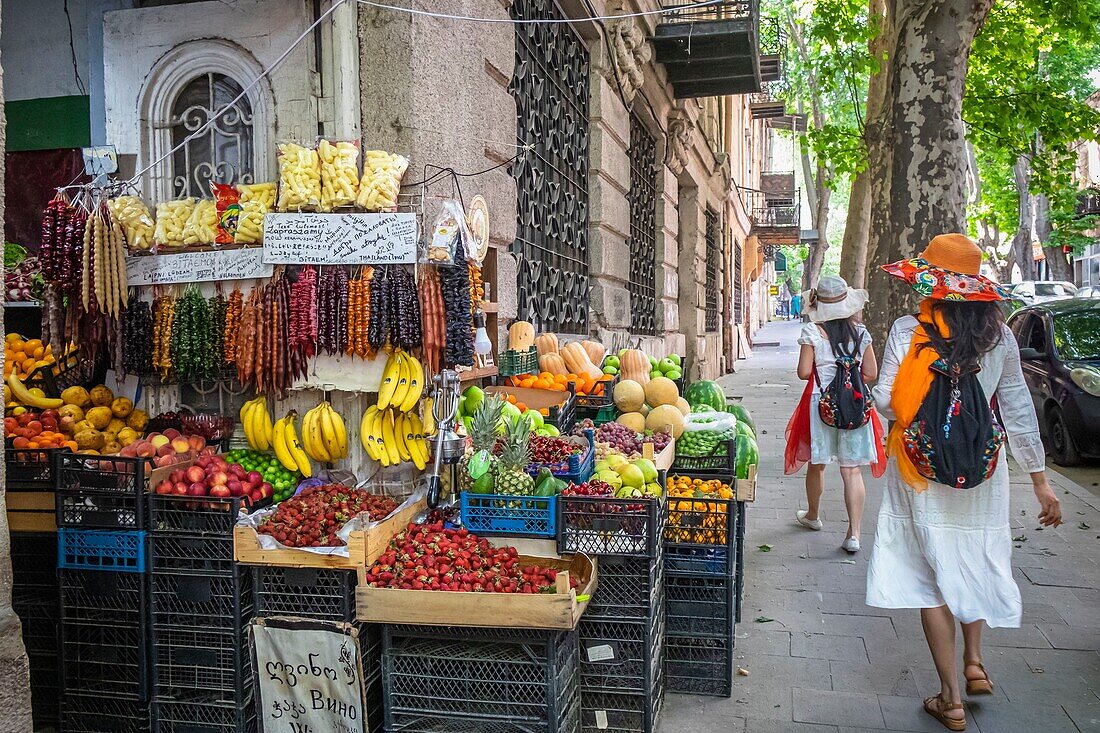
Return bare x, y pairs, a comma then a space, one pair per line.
219, 478
266, 490
255, 495
49, 423
255, 479
176, 475
196, 489
220, 491
179, 488
165, 487
202, 461
234, 487
237, 470
129, 451
195, 474
50, 413
26, 417
171, 433
209, 451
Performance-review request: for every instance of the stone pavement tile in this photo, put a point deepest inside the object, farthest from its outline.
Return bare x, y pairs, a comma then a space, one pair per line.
1063, 577
928, 682
763, 642
1027, 636
858, 625
827, 646
695, 714
1085, 715
1042, 613
1067, 637
1021, 717
1080, 615
794, 672
759, 699
867, 677
1051, 675
907, 714
754, 725
836, 708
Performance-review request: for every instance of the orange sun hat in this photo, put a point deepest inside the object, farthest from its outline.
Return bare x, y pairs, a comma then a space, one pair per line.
949, 268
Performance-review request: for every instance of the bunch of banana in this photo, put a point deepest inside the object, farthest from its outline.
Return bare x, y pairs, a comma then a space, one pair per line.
287, 447
390, 437
31, 397
256, 422
402, 382
324, 436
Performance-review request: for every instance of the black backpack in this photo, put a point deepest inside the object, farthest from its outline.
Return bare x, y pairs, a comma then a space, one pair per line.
955, 438
845, 403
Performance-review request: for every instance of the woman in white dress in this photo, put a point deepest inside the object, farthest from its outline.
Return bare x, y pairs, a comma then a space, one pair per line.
947, 549
835, 331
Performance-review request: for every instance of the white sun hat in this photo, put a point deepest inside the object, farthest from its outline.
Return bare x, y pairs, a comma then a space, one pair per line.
832, 299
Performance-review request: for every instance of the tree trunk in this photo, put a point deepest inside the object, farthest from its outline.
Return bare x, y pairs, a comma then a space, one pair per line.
1058, 265
15, 692
917, 157
1021, 240
853, 249
811, 273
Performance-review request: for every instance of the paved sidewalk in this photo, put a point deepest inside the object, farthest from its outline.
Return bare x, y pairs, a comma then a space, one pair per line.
820, 661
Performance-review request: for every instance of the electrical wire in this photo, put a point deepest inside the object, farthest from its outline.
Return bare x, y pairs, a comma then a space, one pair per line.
72, 49
539, 21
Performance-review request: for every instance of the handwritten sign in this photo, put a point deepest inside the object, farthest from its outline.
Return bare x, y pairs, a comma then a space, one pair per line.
309, 676
197, 267
340, 239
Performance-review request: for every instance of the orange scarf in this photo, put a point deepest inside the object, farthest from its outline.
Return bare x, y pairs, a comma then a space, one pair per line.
911, 385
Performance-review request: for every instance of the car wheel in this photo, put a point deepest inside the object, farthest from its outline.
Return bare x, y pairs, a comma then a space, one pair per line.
1061, 446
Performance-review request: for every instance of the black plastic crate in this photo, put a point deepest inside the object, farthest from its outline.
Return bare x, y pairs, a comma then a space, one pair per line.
701, 535
619, 655
716, 561
95, 492
39, 631
103, 597
467, 679
194, 517
30, 469
104, 659
207, 714
699, 666
45, 692
195, 554
721, 463
102, 714
189, 660
317, 593
629, 588
604, 711
699, 605
201, 601
608, 526
34, 590
592, 402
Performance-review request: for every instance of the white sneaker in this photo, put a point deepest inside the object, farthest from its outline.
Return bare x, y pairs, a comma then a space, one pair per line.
814, 524
851, 545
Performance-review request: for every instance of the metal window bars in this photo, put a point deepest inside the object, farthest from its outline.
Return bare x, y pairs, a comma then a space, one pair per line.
713, 264
642, 198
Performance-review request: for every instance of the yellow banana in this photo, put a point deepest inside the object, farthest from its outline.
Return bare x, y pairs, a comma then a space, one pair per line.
21, 394
282, 450
416, 383
399, 435
366, 437
410, 423
328, 430
389, 438
246, 421
390, 376
340, 430
299, 456
263, 431
428, 417
420, 441
311, 437
380, 418
402, 388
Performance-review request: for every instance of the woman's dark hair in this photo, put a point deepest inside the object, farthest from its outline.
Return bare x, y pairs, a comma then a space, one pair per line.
843, 335
975, 328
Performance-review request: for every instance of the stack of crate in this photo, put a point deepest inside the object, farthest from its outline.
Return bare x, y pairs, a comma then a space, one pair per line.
622, 631
104, 624
201, 603
701, 592
35, 598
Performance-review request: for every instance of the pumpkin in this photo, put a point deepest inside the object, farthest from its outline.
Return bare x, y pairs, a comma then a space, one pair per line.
578, 362
634, 364
547, 343
595, 350
521, 336
553, 363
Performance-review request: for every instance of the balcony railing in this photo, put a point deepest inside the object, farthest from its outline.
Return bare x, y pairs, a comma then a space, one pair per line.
682, 11
1088, 203
711, 50
775, 215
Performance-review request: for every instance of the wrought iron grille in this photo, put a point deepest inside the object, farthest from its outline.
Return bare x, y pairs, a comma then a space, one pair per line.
550, 86
713, 263
738, 289
224, 152
643, 229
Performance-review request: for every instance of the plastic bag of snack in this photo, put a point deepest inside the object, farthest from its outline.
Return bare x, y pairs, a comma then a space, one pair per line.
136, 221
172, 217
299, 178
250, 223
339, 173
202, 225
381, 183
227, 203
450, 228
261, 192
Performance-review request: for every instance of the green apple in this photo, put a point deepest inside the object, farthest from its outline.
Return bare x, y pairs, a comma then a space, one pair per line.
667, 365
612, 361
675, 359
610, 478
655, 373
473, 396
652, 360
621, 352
612, 370
628, 492
631, 476
674, 374
648, 469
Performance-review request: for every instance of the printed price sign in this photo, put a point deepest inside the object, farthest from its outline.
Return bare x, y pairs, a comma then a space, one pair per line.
196, 267
309, 676
340, 239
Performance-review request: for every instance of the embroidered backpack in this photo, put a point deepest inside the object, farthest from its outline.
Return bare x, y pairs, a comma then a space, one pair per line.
845, 403
955, 437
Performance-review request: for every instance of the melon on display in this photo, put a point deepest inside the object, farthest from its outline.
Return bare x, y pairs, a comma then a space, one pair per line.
747, 454
661, 391
633, 420
683, 405
736, 408
629, 396
706, 393
665, 416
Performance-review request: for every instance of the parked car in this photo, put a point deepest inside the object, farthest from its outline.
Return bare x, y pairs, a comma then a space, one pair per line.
1043, 291
1060, 350
1088, 291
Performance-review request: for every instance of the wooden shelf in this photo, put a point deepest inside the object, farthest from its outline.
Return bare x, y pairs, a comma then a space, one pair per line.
472, 374
487, 307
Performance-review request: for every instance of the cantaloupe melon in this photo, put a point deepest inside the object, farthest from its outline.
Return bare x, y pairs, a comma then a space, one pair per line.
629, 396
666, 416
661, 391
683, 405
633, 420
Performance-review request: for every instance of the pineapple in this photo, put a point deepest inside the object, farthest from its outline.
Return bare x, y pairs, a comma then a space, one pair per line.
483, 435
512, 477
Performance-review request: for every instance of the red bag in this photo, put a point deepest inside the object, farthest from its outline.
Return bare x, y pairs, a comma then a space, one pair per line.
798, 453
227, 200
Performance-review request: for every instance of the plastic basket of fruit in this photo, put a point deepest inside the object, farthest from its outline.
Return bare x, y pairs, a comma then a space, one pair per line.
592, 395
514, 362
215, 428
29, 469
517, 516
569, 458
69, 371
591, 519
597, 415
720, 460
701, 512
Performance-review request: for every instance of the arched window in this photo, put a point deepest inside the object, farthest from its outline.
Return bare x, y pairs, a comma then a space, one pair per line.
223, 152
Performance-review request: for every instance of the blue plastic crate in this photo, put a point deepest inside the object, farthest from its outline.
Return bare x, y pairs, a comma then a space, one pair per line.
578, 469
89, 549
503, 514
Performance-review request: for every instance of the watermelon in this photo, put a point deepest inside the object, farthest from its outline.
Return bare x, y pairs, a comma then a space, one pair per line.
736, 408
743, 428
747, 455
705, 393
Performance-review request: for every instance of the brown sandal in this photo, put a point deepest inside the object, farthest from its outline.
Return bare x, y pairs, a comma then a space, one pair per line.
980, 686
938, 712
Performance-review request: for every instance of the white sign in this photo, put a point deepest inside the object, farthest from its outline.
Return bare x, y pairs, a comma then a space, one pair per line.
197, 267
309, 676
340, 239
